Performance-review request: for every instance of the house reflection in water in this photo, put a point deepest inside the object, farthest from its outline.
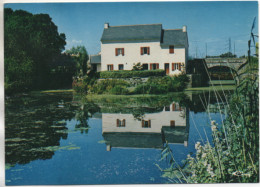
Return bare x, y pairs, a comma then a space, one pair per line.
151, 131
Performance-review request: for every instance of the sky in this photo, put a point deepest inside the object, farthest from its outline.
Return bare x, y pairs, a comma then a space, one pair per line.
208, 23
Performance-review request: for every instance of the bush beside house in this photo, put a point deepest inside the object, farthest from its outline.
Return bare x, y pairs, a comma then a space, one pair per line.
120, 85
130, 73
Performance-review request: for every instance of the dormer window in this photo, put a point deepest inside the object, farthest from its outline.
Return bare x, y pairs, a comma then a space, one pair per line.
120, 51
145, 50
171, 49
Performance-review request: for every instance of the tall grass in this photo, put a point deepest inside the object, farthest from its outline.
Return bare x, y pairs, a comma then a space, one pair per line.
234, 154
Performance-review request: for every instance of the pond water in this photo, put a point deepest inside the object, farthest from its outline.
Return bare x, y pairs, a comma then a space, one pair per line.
64, 139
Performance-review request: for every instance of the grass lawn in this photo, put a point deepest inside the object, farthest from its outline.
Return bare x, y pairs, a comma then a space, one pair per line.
56, 91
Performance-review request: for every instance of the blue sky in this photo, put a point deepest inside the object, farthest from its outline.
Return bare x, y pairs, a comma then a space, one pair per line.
207, 22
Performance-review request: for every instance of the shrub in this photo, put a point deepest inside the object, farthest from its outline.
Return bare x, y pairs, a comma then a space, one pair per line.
119, 90
162, 85
109, 86
130, 74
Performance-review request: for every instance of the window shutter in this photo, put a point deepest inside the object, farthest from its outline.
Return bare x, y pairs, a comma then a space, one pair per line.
151, 66
112, 67
123, 51
171, 49
117, 122
116, 52
149, 123
142, 52
173, 67
123, 123
173, 107
148, 50
142, 123
172, 123
157, 66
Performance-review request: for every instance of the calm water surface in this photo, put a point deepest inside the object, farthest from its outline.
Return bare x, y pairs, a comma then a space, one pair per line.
60, 138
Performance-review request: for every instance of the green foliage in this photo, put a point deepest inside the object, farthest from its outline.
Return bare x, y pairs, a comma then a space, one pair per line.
80, 56
161, 85
154, 85
228, 54
31, 42
112, 86
131, 74
119, 90
137, 67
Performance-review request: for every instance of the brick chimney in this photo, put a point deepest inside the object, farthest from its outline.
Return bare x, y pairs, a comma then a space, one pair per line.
106, 25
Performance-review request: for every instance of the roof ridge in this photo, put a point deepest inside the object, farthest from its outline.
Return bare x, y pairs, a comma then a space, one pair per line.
171, 29
135, 25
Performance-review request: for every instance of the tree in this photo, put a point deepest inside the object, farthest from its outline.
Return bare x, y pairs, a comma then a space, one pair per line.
31, 43
228, 54
81, 57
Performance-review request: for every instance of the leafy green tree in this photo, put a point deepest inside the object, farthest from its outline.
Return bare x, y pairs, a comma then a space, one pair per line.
31, 43
228, 54
81, 57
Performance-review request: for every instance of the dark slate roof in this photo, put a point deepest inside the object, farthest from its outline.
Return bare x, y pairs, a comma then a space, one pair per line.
134, 139
176, 37
177, 134
95, 59
132, 33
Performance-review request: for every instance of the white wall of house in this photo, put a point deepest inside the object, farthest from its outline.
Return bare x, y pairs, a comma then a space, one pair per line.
98, 67
132, 55
109, 121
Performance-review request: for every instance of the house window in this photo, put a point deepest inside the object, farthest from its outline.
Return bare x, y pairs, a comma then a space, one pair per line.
120, 51
110, 67
171, 49
154, 66
172, 123
120, 66
176, 66
120, 123
146, 123
145, 50
167, 108
176, 107
145, 66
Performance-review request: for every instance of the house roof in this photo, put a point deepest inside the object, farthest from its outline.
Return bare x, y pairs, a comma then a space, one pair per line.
126, 33
95, 59
175, 37
177, 134
134, 139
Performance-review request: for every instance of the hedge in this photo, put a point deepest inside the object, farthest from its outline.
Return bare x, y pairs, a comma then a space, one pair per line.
130, 73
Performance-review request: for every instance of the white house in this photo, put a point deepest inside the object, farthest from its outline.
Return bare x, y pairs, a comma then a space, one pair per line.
151, 45
124, 130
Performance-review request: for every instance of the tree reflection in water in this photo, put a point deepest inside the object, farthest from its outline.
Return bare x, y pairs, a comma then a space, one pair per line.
35, 124
83, 113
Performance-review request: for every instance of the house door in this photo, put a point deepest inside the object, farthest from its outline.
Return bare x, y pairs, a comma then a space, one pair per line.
166, 68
